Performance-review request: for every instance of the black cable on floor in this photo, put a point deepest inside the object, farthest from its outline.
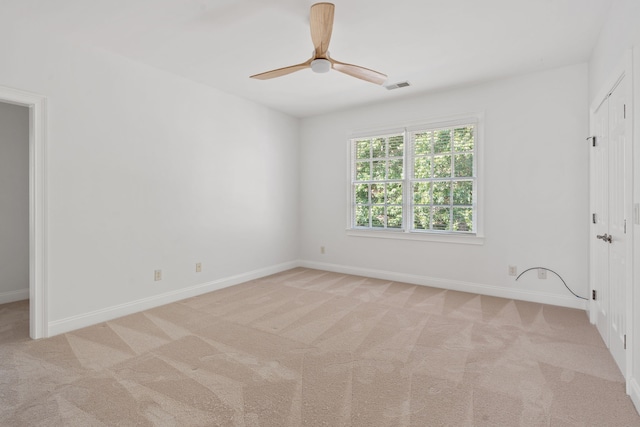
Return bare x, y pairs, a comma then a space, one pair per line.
548, 269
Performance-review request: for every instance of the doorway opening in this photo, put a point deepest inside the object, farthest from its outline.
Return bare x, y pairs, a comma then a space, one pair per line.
14, 222
37, 218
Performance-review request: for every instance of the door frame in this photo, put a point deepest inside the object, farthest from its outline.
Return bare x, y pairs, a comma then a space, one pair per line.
597, 202
624, 69
37, 104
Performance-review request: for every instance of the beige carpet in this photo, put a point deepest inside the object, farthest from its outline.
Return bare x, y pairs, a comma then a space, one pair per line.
312, 348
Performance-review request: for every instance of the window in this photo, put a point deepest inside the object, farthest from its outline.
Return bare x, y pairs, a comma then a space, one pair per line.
420, 181
378, 184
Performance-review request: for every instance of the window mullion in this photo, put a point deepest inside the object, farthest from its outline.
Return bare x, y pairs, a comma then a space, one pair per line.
451, 205
431, 173
370, 177
407, 190
385, 209
453, 174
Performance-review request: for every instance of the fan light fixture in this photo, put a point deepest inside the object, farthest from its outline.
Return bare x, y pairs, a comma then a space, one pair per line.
321, 21
320, 66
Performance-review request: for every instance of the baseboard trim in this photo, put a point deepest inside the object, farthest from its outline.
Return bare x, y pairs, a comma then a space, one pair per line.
634, 393
455, 285
68, 324
13, 296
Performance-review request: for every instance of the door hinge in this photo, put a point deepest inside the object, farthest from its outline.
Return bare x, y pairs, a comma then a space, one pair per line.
625, 341
593, 140
593, 295
625, 226
593, 218
624, 111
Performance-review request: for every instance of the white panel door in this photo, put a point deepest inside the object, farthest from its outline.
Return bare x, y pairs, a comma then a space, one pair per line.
608, 240
617, 224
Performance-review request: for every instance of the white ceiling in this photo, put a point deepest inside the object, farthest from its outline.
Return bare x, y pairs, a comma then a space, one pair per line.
434, 44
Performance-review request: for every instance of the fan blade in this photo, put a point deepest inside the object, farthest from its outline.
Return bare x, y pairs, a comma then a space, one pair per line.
282, 71
359, 72
321, 20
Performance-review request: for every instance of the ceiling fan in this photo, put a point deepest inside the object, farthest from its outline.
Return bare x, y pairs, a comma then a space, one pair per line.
321, 20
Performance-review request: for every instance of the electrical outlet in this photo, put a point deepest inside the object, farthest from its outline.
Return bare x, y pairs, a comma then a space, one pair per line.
322, 250
542, 273
513, 270
157, 275
198, 267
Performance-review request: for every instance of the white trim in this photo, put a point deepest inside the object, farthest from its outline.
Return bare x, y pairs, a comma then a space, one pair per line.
454, 285
13, 296
629, 166
633, 391
633, 387
106, 314
458, 238
38, 216
477, 238
479, 164
87, 319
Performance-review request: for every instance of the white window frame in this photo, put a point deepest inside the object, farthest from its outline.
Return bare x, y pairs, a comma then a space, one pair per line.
407, 232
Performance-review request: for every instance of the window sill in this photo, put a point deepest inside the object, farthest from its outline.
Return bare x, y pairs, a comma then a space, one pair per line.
464, 239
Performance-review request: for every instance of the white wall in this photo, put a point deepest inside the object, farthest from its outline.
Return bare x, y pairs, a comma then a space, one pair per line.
146, 171
535, 190
620, 34
14, 203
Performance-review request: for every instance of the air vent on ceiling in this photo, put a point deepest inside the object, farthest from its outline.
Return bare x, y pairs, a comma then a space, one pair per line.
397, 85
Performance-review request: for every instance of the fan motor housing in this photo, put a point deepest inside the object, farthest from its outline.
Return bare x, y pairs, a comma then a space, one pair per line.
320, 65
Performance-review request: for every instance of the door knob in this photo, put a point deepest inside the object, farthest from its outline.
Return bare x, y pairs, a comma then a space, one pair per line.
606, 237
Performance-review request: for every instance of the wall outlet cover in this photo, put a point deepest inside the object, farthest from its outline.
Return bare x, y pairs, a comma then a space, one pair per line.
542, 273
